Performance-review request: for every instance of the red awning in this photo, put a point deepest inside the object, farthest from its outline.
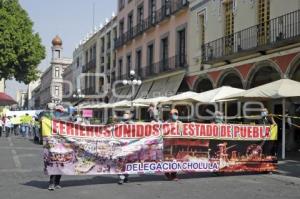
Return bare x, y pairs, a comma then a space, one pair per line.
6, 100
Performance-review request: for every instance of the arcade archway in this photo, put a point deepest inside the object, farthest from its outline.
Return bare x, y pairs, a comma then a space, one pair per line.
203, 85
232, 79
296, 73
263, 75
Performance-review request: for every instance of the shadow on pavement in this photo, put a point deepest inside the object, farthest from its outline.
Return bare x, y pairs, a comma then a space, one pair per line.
290, 166
98, 180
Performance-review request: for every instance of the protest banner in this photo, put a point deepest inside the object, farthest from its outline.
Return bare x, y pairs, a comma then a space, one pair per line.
74, 149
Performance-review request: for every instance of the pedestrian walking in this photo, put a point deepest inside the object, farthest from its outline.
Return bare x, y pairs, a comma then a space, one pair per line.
8, 126
1, 126
25, 127
16, 124
36, 130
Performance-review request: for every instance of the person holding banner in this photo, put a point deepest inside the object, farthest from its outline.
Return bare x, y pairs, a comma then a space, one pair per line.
54, 182
266, 117
127, 119
173, 118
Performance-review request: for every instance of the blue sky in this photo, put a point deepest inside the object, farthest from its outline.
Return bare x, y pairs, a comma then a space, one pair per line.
70, 19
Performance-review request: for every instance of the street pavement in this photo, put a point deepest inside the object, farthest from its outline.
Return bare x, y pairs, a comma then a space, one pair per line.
21, 177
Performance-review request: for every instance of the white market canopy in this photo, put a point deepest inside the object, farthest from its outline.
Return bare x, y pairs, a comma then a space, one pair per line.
217, 94
283, 88
148, 101
121, 104
182, 97
90, 106
205, 97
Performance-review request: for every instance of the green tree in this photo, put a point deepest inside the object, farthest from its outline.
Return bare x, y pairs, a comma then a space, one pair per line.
21, 50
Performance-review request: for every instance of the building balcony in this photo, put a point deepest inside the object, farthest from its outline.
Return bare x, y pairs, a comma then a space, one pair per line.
89, 66
275, 33
89, 91
178, 62
155, 18
167, 65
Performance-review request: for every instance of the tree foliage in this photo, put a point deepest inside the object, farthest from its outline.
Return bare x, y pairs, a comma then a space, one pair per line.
21, 50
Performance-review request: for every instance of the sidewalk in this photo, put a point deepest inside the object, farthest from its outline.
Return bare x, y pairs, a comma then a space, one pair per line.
290, 166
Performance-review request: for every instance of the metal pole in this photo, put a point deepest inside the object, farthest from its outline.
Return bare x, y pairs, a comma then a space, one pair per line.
188, 112
225, 115
132, 88
283, 128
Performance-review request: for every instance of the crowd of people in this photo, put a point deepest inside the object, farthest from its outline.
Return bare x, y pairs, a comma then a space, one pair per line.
25, 126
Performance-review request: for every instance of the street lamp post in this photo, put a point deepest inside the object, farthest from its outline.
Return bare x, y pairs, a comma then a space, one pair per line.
133, 81
78, 94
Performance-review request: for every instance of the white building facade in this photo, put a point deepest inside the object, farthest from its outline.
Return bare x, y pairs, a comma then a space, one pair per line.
52, 79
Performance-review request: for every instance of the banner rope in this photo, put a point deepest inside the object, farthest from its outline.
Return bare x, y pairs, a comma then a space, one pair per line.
292, 124
259, 116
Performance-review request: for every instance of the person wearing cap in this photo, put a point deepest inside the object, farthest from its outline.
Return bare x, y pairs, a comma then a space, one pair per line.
127, 119
173, 118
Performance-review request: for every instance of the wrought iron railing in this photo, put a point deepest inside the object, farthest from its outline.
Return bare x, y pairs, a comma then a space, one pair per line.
89, 91
154, 18
90, 65
273, 33
166, 65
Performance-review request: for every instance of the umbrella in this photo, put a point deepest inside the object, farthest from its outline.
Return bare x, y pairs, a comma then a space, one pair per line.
207, 97
186, 96
121, 104
92, 106
6, 100
283, 88
280, 89
127, 104
148, 101
217, 94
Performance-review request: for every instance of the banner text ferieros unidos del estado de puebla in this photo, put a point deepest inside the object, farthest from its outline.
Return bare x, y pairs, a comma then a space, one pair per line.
73, 149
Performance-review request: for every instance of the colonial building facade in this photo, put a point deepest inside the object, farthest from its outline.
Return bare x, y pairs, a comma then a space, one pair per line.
99, 58
51, 89
179, 45
245, 44
152, 41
